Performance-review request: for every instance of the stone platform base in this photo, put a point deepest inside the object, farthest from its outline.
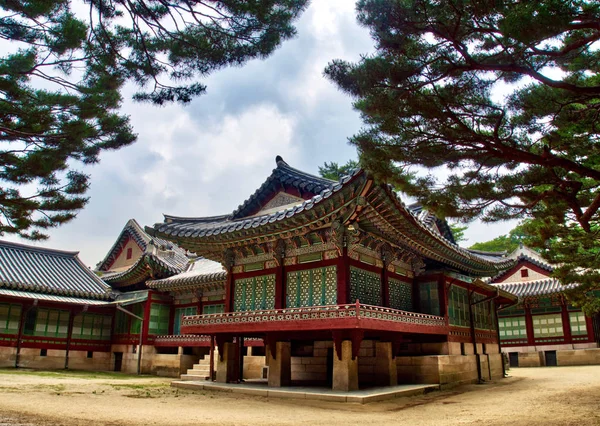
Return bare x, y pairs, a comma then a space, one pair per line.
315, 393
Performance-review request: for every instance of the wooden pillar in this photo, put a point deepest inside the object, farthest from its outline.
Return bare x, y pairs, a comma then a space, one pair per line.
443, 297
343, 277
385, 286
146, 323
566, 323
229, 292
280, 286
212, 358
280, 276
280, 365
529, 327
69, 336
345, 368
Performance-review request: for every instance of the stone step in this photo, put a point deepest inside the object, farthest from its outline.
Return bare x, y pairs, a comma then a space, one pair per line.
199, 371
194, 377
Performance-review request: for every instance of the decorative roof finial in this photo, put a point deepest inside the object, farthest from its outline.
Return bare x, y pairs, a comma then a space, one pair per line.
279, 159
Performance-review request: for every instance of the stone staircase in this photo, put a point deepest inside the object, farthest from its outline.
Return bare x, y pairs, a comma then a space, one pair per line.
200, 371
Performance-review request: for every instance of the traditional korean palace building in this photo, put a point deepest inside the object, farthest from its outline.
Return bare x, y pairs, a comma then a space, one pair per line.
308, 281
344, 285
543, 329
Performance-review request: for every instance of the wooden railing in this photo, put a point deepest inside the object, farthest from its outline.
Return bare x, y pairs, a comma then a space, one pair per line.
327, 312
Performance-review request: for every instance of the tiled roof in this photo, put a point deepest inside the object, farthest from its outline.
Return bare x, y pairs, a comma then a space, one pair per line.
200, 271
282, 176
535, 288
525, 253
163, 256
48, 271
208, 226
432, 221
52, 297
406, 227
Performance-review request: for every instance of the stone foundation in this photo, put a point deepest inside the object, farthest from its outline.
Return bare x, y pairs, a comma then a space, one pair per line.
532, 356
55, 359
447, 370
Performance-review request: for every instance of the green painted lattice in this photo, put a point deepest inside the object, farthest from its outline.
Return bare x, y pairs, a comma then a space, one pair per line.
179, 313
311, 287
547, 326
365, 286
159, 319
10, 316
401, 296
254, 293
512, 328
91, 326
578, 326
430, 302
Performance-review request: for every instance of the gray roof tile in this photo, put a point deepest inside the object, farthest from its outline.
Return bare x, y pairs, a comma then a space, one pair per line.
43, 270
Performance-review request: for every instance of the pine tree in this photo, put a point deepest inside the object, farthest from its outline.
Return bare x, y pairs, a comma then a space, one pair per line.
60, 84
500, 101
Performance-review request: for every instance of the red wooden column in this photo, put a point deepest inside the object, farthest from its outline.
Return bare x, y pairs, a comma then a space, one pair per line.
589, 326
228, 261
385, 286
566, 323
343, 276
146, 323
280, 276
443, 296
529, 327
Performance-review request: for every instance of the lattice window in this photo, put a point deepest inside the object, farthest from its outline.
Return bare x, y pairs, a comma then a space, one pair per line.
254, 293
91, 326
10, 316
483, 313
430, 302
312, 287
547, 326
365, 286
512, 328
458, 306
159, 319
181, 312
578, 325
401, 295
50, 323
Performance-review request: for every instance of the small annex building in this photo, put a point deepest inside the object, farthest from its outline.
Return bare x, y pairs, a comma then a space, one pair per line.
344, 285
543, 329
54, 311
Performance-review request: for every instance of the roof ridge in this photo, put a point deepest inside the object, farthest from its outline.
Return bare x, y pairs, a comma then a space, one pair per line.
47, 250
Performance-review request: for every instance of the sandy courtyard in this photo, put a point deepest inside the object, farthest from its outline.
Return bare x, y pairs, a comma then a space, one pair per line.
542, 396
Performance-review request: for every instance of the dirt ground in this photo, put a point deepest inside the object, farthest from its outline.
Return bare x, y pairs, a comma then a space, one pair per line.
531, 396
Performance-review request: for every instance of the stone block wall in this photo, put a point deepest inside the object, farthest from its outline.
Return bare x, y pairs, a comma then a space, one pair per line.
7, 356
253, 366
578, 357
448, 370
55, 359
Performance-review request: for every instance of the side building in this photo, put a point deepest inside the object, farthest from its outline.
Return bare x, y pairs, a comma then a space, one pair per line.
345, 285
158, 283
543, 329
54, 312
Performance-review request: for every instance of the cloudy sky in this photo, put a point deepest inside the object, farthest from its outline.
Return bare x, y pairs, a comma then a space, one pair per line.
208, 157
